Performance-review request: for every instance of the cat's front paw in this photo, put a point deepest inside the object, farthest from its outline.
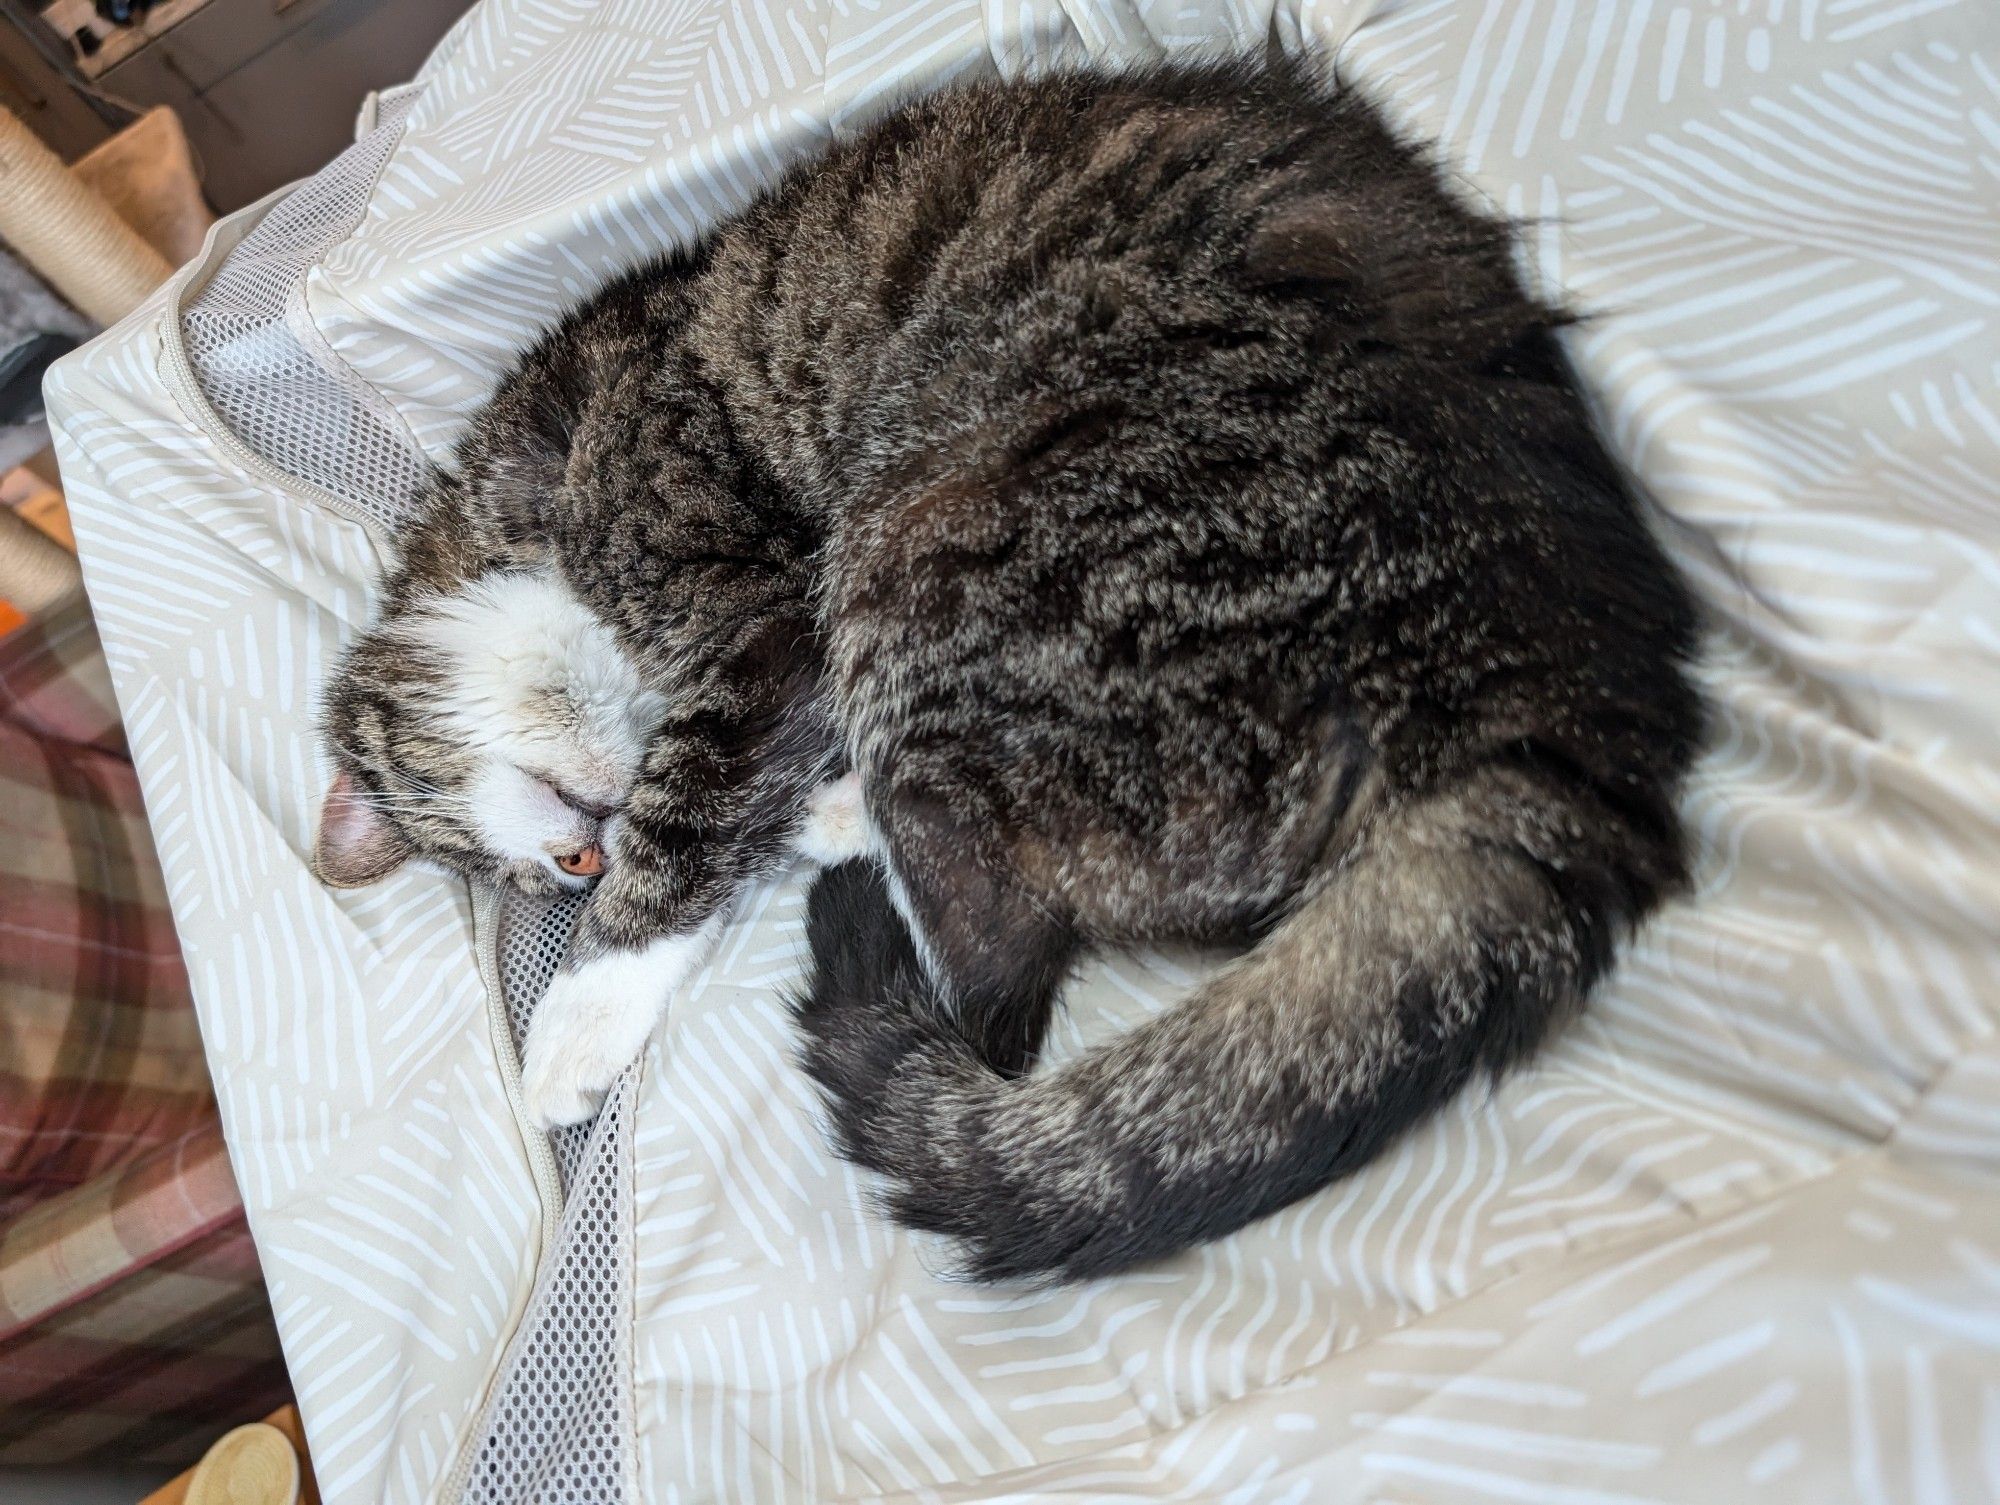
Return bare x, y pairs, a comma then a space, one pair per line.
594, 1019
834, 826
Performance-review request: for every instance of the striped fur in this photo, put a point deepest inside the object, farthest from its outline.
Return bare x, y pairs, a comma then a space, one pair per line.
1162, 493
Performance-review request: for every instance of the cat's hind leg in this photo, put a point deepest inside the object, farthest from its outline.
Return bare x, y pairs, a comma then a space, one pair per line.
886, 1033
993, 953
835, 826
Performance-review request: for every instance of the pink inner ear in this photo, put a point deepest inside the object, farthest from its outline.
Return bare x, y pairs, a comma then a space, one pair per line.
356, 845
343, 811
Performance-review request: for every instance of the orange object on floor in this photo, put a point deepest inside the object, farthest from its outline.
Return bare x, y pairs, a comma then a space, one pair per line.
32, 492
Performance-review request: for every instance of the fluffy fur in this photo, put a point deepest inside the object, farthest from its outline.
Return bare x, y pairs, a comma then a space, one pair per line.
505, 719
1160, 491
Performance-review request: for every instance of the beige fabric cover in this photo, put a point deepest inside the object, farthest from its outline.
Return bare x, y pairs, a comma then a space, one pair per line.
1736, 1236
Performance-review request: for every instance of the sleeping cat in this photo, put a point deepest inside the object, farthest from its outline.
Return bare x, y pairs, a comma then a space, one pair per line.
1161, 493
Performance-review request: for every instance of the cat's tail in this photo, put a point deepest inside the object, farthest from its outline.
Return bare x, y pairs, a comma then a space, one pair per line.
1443, 941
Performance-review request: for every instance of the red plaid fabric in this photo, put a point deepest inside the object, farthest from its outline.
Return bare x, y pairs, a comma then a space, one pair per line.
133, 1320
99, 1055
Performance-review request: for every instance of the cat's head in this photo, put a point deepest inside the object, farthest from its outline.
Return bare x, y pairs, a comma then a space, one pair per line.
491, 723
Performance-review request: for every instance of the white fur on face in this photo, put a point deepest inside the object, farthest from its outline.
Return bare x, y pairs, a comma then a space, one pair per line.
538, 690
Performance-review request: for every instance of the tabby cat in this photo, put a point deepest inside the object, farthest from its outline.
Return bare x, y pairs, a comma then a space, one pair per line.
1158, 488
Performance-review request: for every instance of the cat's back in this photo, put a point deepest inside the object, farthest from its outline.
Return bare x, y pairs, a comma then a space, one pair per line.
1162, 160
1083, 230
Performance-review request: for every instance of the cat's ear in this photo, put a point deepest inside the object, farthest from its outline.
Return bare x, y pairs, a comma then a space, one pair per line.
356, 844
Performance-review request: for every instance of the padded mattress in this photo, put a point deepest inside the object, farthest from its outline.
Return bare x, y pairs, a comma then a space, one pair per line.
1736, 1235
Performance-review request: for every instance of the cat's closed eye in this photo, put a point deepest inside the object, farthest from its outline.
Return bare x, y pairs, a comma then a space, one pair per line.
595, 806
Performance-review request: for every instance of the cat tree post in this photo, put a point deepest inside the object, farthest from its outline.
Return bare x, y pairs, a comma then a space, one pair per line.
68, 233
65, 231
36, 572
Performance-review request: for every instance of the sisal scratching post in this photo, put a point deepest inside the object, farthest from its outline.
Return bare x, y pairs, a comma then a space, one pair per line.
36, 572
67, 233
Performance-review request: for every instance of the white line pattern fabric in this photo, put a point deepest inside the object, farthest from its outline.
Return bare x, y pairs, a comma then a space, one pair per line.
1736, 1236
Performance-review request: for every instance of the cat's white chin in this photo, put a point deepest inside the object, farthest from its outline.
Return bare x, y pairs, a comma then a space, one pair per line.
595, 1019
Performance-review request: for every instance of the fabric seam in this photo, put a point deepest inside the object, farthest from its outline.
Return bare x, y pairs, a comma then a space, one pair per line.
541, 1160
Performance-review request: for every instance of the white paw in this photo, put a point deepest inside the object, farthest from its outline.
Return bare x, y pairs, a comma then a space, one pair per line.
835, 826
594, 1020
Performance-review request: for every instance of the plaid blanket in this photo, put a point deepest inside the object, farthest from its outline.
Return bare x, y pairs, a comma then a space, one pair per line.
132, 1315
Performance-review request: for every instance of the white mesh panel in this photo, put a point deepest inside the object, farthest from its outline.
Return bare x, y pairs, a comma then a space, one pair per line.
265, 369
559, 1421
533, 937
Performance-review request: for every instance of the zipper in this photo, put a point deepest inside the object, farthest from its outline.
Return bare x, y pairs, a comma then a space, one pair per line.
541, 1158
541, 1162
